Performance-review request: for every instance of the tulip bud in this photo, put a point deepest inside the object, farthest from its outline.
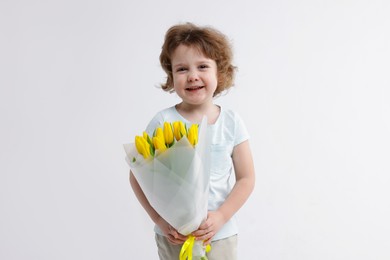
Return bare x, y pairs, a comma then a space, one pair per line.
179, 130
159, 133
159, 144
149, 140
193, 134
142, 146
168, 133
147, 137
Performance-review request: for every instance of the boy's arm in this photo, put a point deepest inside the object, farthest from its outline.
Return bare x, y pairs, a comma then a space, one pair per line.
172, 235
245, 181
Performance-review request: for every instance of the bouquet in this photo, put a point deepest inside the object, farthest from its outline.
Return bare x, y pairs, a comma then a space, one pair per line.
172, 169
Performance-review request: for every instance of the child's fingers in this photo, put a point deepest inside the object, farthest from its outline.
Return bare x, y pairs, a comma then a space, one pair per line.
176, 235
204, 234
173, 240
179, 236
206, 237
200, 232
205, 224
207, 241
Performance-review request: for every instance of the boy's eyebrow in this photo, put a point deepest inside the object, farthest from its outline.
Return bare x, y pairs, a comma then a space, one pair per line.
177, 64
174, 65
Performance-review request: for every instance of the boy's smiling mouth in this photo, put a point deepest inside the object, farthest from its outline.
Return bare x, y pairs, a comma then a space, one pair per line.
194, 88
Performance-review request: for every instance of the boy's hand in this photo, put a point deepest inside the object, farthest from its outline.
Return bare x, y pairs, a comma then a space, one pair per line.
209, 227
170, 233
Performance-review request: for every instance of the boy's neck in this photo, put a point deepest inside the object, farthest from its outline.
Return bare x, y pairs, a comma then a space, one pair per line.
195, 113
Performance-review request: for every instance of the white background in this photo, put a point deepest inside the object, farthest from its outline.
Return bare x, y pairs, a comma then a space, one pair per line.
78, 79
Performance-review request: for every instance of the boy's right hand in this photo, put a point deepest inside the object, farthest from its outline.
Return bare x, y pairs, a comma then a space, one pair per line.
170, 233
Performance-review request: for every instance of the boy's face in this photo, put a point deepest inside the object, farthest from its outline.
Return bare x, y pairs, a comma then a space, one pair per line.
194, 75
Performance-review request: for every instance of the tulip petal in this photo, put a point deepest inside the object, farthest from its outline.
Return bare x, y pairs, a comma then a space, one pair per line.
168, 133
193, 134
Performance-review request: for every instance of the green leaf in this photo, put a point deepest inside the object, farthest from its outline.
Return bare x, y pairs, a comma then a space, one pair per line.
152, 150
149, 140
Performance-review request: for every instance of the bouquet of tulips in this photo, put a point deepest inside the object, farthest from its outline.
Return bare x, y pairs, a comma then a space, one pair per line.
172, 168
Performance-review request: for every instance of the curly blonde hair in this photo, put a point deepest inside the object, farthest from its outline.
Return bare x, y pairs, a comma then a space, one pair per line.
212, 43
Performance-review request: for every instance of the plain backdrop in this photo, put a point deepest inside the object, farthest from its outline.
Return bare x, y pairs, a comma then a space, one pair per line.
80, 78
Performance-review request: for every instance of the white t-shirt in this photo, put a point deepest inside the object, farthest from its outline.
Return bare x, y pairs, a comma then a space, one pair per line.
227, 132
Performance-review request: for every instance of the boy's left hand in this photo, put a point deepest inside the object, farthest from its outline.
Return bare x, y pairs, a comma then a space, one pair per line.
209, 227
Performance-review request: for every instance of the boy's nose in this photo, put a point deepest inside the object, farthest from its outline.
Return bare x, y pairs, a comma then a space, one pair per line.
193, 76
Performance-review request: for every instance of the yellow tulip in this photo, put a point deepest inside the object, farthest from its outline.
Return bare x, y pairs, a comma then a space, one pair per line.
179, 130
159, 144
193, 134
142, 146
159, 133
149, 140
168, 133
146, 136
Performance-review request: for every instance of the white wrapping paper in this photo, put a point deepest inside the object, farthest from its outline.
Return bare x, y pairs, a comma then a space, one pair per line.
176, 181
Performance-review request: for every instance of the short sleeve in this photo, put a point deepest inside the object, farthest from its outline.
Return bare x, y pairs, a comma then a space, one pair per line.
240, 132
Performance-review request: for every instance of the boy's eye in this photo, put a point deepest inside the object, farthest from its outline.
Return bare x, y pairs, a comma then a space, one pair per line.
203, 66
180, 69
